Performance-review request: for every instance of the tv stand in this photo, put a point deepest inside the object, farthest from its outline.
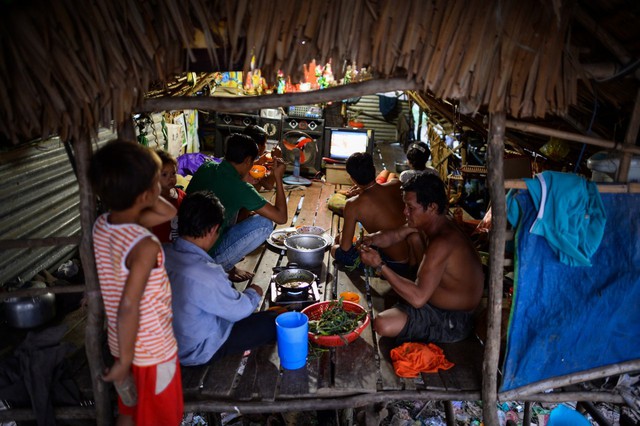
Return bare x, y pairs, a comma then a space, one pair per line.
337, 174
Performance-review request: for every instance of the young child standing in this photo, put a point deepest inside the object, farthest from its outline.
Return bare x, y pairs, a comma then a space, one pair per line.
134, 284
168, 231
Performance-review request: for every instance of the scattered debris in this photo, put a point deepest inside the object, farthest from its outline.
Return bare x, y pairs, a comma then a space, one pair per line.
416, 413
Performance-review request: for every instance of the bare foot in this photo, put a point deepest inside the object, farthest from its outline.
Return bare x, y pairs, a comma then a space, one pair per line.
237, 275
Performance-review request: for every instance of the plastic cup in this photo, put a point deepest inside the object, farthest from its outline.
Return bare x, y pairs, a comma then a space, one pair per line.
293, 343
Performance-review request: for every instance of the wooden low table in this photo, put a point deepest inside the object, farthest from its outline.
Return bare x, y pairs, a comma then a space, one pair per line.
355, 375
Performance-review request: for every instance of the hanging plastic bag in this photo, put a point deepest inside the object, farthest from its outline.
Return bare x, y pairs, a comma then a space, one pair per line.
556, 149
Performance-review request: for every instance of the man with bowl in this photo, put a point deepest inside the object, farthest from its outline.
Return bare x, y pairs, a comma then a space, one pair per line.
240, 235
439, 305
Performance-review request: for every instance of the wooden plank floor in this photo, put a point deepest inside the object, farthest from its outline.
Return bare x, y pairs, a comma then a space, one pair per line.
360, 368
363, 366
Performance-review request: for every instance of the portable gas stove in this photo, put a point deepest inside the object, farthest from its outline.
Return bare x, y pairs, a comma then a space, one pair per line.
292, 300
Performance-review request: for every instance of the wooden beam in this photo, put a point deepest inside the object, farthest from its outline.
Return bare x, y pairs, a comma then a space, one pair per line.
596, 396
495, 166
248, 103
334, 403
38, 291
522, 392
601, 34
94, 334
540, 130
629, 142
611, 188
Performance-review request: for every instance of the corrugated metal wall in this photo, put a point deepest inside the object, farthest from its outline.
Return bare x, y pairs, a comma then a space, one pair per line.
38, 199
373, 119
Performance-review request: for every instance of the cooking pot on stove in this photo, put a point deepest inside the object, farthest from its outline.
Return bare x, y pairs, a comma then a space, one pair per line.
295, 282
306, 250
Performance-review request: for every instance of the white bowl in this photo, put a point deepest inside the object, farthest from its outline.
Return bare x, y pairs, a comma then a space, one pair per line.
310, 229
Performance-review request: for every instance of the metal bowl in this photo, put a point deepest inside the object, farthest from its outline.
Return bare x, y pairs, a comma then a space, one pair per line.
306, 250
28, 312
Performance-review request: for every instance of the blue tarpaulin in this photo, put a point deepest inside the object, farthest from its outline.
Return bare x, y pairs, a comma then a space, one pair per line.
568, 319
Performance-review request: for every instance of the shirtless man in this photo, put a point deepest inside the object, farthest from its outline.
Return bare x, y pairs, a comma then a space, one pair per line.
377, 207
439, 305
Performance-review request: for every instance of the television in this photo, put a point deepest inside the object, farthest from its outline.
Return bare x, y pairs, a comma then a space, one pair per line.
340, 143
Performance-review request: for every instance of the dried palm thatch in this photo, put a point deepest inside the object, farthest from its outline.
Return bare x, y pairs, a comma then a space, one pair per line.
69, 66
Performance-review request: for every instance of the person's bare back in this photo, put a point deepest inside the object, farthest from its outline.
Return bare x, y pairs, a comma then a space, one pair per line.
377, 208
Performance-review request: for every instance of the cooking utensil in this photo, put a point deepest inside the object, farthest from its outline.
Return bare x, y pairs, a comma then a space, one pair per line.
310, 229
295, 282
306, 250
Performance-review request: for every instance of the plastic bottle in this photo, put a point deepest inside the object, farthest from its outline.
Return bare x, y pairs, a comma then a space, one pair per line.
127, 391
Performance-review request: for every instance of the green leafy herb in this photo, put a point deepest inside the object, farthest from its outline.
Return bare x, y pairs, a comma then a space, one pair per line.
336, 321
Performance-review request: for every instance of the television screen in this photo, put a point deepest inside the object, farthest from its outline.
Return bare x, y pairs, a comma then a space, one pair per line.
344, 142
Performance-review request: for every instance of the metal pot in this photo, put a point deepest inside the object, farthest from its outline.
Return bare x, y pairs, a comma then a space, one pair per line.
302, 279
306, 250
28, 312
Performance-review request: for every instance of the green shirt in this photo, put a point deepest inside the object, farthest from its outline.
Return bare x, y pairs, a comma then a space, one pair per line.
234, 193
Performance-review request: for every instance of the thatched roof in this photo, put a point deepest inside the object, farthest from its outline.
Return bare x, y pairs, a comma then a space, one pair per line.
70, 66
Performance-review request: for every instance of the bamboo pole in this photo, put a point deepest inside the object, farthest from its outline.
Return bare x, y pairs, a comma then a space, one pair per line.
94, 334
272, 101
570, 379
595, 396
495, 161
601, 34
331, 403
540, 130
38, 291
629, 141
610, 188
39, 242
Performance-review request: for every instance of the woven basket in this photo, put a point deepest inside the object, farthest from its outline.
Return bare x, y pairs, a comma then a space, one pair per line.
314, 312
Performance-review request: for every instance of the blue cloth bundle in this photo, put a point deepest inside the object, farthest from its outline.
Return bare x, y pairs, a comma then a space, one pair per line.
567, 319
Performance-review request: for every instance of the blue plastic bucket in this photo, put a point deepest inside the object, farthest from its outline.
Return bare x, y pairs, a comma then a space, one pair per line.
293, 342
565, 416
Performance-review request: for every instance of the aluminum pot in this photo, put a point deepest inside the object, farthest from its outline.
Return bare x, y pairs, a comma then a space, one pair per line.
28, 312
306, 250
295, 282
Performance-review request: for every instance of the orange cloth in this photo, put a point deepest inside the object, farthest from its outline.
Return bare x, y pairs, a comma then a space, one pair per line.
411, 359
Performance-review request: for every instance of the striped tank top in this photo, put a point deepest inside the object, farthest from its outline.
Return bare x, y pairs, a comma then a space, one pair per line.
112, 244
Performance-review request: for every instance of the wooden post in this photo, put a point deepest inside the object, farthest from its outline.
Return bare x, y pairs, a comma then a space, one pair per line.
449, 413
527, 414
629, 141
94, 336
126, 130
495, 160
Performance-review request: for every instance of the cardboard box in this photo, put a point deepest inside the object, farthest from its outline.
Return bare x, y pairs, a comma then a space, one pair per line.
337, 174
